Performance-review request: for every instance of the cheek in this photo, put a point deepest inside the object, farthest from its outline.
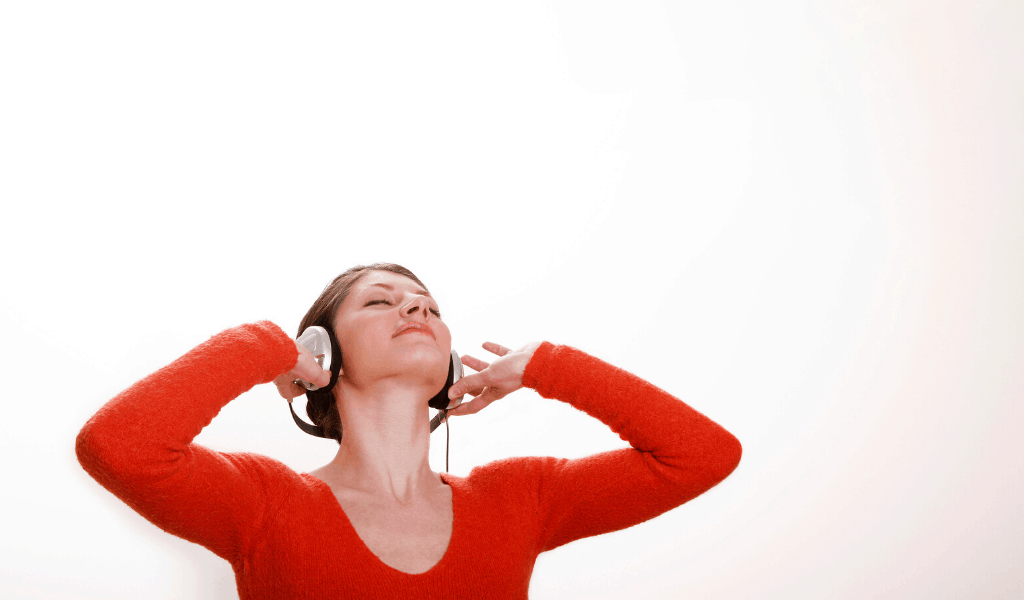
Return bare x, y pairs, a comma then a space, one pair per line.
359, 337
443, 335
375, 336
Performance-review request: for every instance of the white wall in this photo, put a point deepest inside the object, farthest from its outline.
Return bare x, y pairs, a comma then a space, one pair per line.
803, 218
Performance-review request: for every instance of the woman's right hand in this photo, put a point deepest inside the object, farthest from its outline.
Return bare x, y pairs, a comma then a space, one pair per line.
307, 369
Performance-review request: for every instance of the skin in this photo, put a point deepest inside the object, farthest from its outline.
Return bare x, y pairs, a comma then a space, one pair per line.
383, 387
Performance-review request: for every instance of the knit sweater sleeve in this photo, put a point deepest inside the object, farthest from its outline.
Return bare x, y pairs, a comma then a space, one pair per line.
677, 453
139, 445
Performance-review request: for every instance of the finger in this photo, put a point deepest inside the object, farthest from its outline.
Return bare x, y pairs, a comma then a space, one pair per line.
458, 411
455, 402
473, 406
307, 369
474, 363
484, 400
319, 379
470, 384
497, 349
289, 390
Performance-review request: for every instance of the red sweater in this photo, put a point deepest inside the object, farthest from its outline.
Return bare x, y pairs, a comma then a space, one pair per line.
285, 534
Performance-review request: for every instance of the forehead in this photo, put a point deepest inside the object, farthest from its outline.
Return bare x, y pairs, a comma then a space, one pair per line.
386, 280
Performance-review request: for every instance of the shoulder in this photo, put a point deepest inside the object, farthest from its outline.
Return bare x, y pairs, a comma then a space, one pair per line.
273, 476
518, 475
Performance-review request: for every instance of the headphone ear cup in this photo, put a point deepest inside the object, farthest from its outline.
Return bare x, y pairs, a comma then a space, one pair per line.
456, 375
441, 401
335, 360
321, 395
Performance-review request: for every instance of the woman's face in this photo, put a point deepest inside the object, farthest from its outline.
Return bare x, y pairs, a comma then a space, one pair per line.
389, 327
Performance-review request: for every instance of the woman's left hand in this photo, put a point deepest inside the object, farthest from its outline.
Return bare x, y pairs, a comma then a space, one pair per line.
493, 380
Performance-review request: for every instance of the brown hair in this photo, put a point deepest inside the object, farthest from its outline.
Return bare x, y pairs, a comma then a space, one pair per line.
324, 411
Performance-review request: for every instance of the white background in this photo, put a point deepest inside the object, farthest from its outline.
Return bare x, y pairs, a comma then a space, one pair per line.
805, 218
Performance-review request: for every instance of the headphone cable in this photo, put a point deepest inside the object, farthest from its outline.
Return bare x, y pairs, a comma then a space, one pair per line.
447, 440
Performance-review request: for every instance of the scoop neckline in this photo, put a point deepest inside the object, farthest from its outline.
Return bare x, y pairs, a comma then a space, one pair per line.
446, 479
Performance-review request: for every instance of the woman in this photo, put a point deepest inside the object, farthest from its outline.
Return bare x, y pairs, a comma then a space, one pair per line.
376, 521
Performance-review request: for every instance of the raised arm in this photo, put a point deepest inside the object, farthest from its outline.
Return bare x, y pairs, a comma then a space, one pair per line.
677, 453
139, 445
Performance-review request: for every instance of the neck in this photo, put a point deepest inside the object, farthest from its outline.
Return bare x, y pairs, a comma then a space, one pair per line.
385, 444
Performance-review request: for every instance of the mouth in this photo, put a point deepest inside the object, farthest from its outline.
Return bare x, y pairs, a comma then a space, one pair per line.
414, 328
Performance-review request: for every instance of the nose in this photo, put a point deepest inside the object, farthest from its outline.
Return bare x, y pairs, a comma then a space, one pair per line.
418, 304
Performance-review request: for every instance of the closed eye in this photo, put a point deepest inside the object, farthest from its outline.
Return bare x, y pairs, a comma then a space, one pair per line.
435, 312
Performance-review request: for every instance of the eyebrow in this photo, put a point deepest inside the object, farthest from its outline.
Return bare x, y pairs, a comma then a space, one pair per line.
384, 285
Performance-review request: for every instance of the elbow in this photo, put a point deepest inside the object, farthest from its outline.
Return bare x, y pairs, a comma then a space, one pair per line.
100, 452
726, 454
103, 458
87, 450
733, 454
94, 453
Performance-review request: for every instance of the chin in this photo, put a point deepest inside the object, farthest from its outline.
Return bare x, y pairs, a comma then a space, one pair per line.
429, 361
